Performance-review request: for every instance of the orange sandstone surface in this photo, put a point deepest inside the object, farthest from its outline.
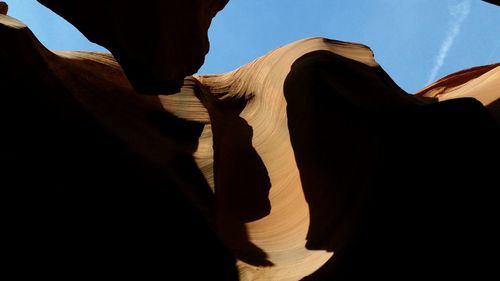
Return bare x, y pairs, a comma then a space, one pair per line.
481, 83
308, 163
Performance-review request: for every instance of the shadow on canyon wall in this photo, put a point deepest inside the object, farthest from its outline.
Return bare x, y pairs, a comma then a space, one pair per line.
242, 182
80, 202
407, 190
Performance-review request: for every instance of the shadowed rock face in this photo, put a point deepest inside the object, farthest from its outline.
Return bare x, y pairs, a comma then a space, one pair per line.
496, 2
156, 42
3, 8
86, 190
309, 163
347, 152
481, 83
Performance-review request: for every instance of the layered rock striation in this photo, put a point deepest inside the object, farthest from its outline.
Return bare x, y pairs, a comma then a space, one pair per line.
308, 163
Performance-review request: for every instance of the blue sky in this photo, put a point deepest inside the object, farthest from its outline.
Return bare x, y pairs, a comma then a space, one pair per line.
415, 41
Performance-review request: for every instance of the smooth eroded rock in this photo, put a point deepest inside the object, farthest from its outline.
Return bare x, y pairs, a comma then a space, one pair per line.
481, 83
97, 180
156, 42
324, 169
308, 163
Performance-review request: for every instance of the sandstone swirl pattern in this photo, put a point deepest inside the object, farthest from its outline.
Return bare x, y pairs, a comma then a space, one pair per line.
308, 163
482, 83
260, 87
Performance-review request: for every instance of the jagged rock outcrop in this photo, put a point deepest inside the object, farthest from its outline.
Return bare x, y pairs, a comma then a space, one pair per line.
156, 42
308, 163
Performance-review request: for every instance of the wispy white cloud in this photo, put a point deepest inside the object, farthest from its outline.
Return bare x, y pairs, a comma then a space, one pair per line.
458, 14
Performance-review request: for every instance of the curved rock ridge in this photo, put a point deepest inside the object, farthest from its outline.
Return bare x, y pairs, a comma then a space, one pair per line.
281, 232
300, 192
157, 42
153, 64
306, 164
481, 83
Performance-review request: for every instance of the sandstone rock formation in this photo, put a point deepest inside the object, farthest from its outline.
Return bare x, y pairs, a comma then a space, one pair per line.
3, 8
153, 64
93, 172
496, 2
309, 163
335, 159
482, 83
